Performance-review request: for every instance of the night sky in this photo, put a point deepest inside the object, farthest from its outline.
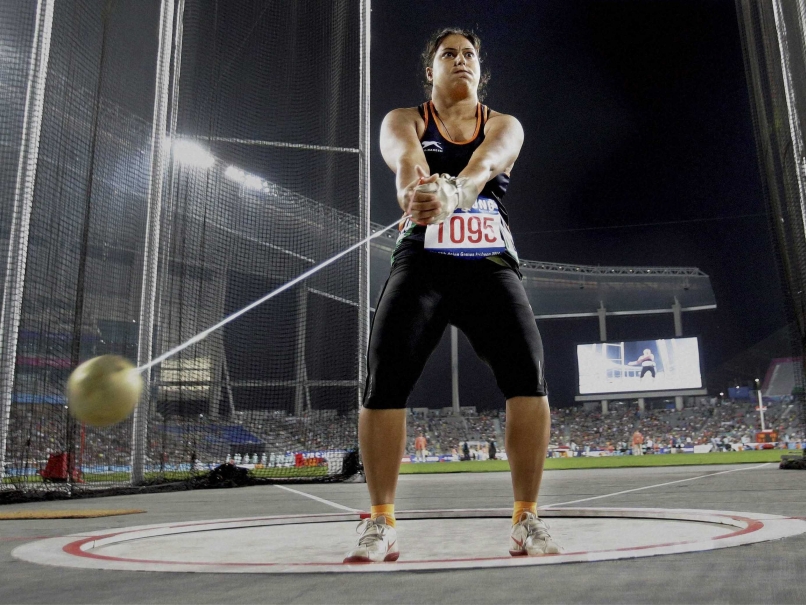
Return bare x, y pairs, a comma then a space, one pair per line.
639, 151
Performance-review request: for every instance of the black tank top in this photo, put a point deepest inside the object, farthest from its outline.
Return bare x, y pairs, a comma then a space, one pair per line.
445, 156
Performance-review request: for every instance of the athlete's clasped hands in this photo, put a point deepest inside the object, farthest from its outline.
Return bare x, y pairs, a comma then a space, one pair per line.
432, 199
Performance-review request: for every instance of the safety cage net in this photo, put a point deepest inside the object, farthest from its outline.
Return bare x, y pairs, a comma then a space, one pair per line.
165, 164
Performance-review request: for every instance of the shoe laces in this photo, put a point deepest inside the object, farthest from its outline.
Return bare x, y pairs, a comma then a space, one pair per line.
371, 531
535, 526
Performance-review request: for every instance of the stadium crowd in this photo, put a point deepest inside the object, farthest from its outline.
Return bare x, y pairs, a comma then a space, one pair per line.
720, 423
39, 430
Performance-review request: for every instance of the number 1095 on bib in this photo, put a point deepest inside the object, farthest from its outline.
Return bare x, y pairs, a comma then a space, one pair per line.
466, 234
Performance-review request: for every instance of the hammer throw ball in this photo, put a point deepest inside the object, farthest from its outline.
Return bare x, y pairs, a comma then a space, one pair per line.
103, 390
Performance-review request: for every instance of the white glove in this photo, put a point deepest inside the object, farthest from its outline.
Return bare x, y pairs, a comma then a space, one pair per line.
452, 192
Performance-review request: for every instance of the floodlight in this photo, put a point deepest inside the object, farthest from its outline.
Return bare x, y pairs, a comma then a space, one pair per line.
191, 153
235, 173
251, 181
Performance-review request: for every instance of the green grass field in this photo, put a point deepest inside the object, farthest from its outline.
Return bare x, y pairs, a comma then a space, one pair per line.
472, 466
486, 466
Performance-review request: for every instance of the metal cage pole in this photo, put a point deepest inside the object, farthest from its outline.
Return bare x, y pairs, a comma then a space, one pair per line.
21, 217
159, 152
363, 210
791, 105
162, 271
167, 207
455, 371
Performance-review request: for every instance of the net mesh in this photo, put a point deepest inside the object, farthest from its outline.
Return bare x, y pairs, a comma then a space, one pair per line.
774, 47
261, 181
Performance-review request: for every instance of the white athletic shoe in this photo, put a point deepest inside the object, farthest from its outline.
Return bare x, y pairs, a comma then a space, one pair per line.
378, 542
530, 536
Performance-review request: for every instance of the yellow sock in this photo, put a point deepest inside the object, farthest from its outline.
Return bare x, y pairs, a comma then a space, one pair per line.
522, 507
384, 510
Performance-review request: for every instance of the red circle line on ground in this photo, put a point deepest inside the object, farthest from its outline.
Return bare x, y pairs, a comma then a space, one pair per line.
76, 548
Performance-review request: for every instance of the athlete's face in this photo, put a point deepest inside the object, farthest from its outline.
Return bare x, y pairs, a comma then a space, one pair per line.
456, 64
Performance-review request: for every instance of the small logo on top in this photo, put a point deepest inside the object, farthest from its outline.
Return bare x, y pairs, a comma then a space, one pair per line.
432, 146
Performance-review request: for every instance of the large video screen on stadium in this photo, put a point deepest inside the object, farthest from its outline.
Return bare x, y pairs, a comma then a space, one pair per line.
641, 365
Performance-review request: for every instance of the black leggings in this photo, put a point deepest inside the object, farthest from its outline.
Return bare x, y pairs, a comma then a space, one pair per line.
427, 291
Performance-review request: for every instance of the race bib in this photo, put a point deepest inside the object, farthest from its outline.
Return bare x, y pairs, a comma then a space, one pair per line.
471, 233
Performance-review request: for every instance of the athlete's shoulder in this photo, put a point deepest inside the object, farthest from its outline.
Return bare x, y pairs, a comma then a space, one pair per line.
404, 115
503, 125
500, 119
404, 118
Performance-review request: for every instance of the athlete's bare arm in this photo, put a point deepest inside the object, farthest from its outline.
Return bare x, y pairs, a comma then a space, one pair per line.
503, 138
401, 149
